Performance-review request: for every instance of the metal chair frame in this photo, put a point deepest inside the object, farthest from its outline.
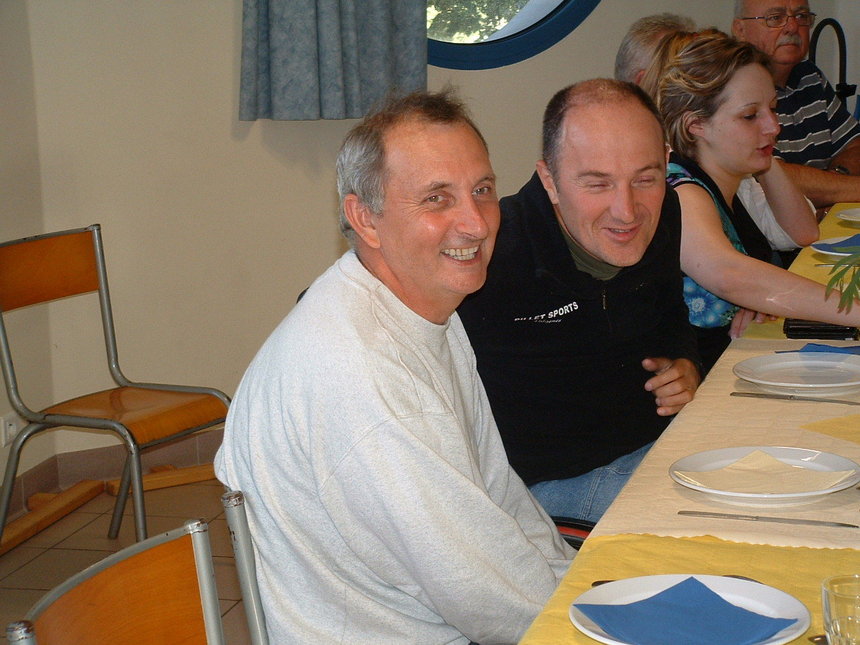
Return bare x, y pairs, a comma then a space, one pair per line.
243, 549
127, 595
92, 277
573, 531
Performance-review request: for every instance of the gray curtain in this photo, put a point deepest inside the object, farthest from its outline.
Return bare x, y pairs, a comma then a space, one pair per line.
329, 59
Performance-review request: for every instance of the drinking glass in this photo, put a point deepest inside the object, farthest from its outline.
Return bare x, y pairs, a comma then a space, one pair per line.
840, 600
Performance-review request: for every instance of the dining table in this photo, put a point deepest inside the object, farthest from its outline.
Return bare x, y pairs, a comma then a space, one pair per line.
812, 264
644, 533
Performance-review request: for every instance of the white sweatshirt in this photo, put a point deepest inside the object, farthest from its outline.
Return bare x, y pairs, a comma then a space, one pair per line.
380, 499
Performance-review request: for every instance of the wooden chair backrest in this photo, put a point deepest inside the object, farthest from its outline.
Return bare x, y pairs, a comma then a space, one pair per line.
151, 598
46, 268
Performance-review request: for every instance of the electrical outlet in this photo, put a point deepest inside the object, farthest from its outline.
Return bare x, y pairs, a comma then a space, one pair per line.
12, 423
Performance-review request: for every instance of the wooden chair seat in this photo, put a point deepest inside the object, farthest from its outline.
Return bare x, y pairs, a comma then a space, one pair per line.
149, 414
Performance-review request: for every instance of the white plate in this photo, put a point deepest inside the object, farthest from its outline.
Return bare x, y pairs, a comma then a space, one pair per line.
831, 240
801, 457
807, 373
849, 215
742, 593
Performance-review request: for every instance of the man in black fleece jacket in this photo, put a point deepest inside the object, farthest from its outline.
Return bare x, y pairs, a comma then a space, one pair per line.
580, 331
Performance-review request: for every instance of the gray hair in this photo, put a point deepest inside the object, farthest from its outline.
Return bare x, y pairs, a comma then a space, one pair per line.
641, 40
740, 8
361, 160
582, 94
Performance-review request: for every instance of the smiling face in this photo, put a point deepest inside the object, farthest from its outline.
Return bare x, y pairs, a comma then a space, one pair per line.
609, 181
787, 45
739, 138
434, 237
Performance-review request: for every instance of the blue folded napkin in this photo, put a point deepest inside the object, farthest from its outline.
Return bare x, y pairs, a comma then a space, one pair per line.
849, 245
687, 613
820, 347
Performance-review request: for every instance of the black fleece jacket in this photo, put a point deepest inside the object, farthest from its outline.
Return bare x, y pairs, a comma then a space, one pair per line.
560, 352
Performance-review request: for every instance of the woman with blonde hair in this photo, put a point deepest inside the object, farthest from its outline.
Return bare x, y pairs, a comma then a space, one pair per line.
716, 97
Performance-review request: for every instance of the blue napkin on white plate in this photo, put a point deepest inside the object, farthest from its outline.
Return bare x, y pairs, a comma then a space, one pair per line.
820, 347
687, 613
848, 245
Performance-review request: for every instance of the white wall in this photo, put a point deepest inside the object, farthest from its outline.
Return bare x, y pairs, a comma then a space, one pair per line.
21, 204
124, 113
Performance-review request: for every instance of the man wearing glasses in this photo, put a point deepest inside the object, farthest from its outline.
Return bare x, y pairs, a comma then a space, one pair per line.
820, 141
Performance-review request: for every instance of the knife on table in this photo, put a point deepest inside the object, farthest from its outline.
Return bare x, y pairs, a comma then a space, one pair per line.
766, 518
793, 397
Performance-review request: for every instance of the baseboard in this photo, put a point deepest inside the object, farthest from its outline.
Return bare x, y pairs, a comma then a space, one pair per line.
63, 471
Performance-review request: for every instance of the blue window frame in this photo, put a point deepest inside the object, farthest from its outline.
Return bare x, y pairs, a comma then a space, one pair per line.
513, 48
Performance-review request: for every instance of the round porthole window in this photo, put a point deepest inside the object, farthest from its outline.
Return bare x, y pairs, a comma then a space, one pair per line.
481, 34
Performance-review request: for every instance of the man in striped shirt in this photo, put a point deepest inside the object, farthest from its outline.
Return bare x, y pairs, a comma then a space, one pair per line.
819, 144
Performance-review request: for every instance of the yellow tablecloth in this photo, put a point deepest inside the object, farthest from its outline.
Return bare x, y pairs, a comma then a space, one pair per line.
804, 264
713, 419
847, 427
795, 570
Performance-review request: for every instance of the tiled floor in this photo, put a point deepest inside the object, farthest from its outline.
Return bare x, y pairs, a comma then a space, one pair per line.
80, 539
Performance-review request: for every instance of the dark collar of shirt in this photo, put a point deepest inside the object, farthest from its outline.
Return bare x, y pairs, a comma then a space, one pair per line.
803, 68
587, 263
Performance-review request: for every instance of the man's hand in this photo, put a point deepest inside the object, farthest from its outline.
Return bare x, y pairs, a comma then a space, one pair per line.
674, 383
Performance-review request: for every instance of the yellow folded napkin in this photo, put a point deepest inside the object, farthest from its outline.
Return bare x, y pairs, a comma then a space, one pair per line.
759, 472
769, 330
795, 570
847, 428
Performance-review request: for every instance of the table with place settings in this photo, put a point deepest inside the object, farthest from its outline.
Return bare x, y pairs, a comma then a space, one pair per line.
842, 220
715, 419
643, 534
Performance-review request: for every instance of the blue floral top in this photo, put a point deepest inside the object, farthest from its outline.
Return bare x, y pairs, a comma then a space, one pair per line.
706, 309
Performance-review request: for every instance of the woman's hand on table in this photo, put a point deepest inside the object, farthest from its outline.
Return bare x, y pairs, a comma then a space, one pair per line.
674, 383
744, 317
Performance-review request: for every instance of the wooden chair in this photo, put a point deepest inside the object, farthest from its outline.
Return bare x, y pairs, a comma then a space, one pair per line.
243, 550
48, 267
158, 591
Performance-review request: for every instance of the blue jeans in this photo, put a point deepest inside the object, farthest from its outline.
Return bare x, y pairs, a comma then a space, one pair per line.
587, 496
